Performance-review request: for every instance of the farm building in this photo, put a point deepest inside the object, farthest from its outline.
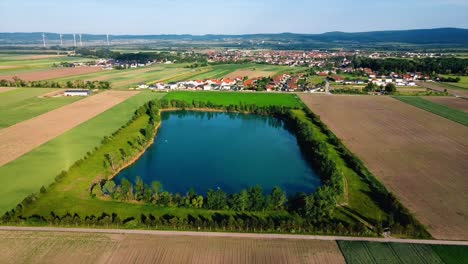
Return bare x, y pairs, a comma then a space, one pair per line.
77, 93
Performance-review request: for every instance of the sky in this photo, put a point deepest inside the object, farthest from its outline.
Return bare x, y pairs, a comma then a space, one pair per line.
201, 17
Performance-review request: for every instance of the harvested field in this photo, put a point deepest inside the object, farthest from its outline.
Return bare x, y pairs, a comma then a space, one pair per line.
6, 89
419, 156
51, 74
453, 102
249, 73
45, 247
409, 89
18, 139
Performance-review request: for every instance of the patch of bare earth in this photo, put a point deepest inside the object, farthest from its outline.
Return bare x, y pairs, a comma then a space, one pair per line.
438, 87
45, 247
6, 89
249, 73
21, 138
51, 74
419, 156
453, 102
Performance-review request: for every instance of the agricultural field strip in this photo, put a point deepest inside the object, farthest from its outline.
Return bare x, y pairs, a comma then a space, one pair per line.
453, 102
238, 235
51, 73
441, 86
16, 140
424, 157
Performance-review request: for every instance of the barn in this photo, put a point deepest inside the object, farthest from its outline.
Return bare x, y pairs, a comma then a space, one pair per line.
77, 92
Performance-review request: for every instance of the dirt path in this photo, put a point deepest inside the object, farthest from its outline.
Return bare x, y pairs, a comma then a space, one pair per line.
231, 235
23, 137
419, 156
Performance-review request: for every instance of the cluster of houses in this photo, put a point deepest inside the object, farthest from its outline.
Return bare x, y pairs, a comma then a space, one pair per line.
283, 82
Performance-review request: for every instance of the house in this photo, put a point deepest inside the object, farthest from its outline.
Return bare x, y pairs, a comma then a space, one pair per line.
142, 86
82, 92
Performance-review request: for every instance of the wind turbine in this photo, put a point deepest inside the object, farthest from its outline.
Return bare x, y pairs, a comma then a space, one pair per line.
74, 40
81, 43
61, 40
43, 39
108, 43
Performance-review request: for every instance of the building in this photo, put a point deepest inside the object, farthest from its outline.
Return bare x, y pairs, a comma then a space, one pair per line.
77, 92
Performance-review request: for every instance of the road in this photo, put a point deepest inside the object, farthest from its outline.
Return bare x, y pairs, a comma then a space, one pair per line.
232, 235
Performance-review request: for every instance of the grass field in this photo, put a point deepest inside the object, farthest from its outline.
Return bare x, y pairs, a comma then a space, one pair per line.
462, 84
23, 103
438, 109
40, 166
233, 98
373, 252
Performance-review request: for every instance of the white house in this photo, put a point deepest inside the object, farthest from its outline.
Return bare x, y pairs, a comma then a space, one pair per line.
77, 92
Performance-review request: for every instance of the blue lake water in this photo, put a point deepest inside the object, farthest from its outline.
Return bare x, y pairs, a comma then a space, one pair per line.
231, 151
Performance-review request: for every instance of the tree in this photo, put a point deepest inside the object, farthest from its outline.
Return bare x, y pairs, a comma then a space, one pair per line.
370, 87
197, 202
278, 198
139, 189
256, 199
109, 188
216, 200
126, 188
390, 88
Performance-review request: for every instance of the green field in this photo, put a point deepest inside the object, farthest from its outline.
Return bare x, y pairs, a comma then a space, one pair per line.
16, 63
39, 167
23, 103
374, 252
234, 98
462, 84
438, 109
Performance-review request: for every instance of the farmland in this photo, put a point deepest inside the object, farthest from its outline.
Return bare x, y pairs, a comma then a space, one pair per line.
49, 159
374, 252
14, 64
452, 102
419, 156
233, 98
47, 247
51, 73
438, 109
24, 103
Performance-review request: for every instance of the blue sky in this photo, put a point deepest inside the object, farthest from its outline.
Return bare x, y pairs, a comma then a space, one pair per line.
228, 16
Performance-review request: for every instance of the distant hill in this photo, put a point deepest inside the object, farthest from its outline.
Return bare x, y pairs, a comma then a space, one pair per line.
444, 36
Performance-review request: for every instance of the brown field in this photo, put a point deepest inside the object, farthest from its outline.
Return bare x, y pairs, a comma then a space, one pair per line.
249, 73
21, 138
453, 102
41, 56
6, 89
419, 156
51, 74
3, 67
411, 89
438, 87
47, 247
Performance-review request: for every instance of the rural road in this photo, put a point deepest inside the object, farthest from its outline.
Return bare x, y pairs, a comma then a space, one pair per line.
232, 235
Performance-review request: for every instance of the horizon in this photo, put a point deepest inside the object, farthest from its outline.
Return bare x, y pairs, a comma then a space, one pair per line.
207, 17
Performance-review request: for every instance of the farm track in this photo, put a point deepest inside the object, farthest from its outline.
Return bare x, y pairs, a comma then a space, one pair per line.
21, 138
435, 86
419, 156
123, 246
51, 74
6, 89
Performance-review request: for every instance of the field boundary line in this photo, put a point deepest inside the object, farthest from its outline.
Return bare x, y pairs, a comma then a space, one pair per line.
233, 235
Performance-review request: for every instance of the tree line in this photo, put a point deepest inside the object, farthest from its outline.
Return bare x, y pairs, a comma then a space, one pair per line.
428, 66
17, 82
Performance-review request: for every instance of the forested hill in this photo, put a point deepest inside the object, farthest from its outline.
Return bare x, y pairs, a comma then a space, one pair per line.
444, 36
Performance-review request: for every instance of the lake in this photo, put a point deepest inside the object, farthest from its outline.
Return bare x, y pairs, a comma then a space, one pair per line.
230, 151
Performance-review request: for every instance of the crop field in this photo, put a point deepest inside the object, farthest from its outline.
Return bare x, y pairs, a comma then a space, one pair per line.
438, 109
462, 84
249, 74
48, 247
11, 64
452, 102
51, 73
21, 104
445, 86
228, 98
419, 156
48, 160
373, 252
